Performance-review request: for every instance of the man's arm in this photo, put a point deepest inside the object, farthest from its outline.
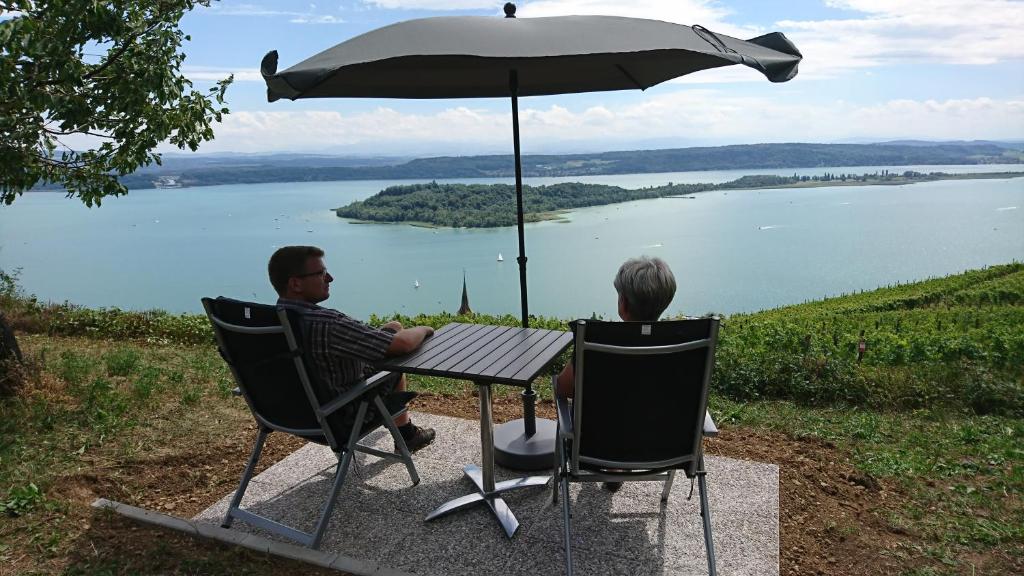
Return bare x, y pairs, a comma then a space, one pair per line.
408, 339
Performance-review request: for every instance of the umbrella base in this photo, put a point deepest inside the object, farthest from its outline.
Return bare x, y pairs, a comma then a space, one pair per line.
513, 450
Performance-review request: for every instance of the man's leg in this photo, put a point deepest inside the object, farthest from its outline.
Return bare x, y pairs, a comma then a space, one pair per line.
403, 418
414, 436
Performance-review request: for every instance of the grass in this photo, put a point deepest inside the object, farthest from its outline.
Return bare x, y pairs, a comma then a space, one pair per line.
964, 474
149, 419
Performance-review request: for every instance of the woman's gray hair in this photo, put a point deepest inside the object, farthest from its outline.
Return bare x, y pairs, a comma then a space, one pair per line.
648, 286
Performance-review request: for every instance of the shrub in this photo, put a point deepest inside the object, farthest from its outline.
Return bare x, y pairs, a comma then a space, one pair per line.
121, 362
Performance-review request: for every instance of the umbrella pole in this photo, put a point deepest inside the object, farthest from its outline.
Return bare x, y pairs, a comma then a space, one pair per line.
529, 396
526, 444
514, 87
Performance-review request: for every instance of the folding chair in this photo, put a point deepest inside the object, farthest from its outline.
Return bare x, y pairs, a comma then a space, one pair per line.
638, 411
262, 346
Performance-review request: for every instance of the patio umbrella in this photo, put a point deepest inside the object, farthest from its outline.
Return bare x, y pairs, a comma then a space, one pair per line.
476, 57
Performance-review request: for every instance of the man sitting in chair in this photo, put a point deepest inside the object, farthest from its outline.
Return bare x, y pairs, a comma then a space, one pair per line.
646, 286
343, 349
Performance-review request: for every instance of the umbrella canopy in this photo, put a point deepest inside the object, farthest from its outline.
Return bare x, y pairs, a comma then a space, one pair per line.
471, 56
477, 57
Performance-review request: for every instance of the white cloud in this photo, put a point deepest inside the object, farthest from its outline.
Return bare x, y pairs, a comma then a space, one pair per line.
693, 115
708, 13
295, 17
434, 4
222, 9
885, 32
871, 33
212, 73
312, 19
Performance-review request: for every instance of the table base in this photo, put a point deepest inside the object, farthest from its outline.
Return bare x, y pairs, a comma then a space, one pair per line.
513, 449
493, 499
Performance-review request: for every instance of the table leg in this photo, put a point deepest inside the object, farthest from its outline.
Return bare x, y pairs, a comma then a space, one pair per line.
487, 491
486, 437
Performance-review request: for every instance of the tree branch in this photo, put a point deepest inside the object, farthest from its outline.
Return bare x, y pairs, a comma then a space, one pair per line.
53, 132
111, 58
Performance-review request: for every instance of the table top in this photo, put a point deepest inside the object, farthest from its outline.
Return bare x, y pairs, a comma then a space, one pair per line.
498, 354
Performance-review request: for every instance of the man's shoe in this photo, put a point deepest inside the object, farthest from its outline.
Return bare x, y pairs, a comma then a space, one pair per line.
612, 487
418, 438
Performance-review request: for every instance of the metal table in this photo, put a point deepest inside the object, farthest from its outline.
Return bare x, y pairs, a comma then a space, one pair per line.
485, 355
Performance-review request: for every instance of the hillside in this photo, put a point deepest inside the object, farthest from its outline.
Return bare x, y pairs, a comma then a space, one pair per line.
905, 460
209, 171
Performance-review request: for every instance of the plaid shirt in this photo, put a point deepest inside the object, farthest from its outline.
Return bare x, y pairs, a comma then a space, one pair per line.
342, 349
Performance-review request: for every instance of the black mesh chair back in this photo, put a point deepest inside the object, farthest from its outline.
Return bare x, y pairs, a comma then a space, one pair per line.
263, 346
264, 365
638, 410
641, 392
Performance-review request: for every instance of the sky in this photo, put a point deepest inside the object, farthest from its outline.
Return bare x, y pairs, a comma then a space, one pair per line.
873, 70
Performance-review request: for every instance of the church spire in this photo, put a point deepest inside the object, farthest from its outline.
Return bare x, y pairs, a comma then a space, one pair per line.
464, 309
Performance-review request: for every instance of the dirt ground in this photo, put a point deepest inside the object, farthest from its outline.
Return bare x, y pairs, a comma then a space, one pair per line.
832, 520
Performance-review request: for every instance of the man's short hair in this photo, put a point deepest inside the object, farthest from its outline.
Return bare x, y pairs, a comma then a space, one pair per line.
647, 285
289, 261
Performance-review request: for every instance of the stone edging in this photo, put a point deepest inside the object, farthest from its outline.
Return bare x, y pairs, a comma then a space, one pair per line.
330, 560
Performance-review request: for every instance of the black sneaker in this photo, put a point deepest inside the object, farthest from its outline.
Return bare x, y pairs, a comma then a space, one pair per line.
612, 487
418, 438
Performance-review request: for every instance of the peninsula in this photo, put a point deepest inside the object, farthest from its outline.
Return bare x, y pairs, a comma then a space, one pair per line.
493, 205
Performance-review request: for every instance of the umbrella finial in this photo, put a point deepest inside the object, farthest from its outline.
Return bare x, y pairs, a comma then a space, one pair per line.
510, 10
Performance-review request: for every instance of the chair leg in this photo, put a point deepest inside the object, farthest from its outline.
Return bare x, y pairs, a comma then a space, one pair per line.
325, 513
705, 512
558, 468
254, 458
339, 477
668, 486
566, 523
399, 441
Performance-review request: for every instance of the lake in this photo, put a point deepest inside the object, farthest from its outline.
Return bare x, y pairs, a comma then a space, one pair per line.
735, 251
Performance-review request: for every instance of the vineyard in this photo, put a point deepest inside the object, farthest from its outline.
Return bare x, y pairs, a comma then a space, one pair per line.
955, 341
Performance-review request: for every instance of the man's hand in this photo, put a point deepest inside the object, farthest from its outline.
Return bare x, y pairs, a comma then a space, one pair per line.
408, 339
393, 326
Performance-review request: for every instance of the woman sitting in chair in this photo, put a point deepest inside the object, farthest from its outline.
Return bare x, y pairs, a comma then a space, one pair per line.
646, 287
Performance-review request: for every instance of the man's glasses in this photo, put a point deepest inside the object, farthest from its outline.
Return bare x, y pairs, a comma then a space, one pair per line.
321, 272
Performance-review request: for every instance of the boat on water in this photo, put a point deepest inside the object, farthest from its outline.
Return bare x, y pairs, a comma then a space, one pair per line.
500, 259
415, 283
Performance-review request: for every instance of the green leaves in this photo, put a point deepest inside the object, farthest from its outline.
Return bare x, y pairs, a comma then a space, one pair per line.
89, 89
21, 499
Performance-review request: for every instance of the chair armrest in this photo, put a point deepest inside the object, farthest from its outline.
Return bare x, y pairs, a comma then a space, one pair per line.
564, 411
709, 425
354, 392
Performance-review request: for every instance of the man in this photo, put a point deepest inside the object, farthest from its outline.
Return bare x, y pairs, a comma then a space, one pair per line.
645, 286
342, 349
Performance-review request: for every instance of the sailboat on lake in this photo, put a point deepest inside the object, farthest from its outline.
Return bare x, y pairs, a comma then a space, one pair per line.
416, 283
500, 259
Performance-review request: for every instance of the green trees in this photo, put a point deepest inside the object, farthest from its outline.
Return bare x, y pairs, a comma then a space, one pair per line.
493, 205
89, 89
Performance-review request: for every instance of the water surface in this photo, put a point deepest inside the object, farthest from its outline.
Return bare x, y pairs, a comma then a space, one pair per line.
731, 251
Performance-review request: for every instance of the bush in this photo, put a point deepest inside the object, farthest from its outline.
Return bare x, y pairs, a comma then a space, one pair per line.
121, 362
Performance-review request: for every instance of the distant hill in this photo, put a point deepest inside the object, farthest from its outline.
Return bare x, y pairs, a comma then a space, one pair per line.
179, 171
1007, 144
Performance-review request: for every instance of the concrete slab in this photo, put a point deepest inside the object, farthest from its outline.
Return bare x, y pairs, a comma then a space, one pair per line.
378, 520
